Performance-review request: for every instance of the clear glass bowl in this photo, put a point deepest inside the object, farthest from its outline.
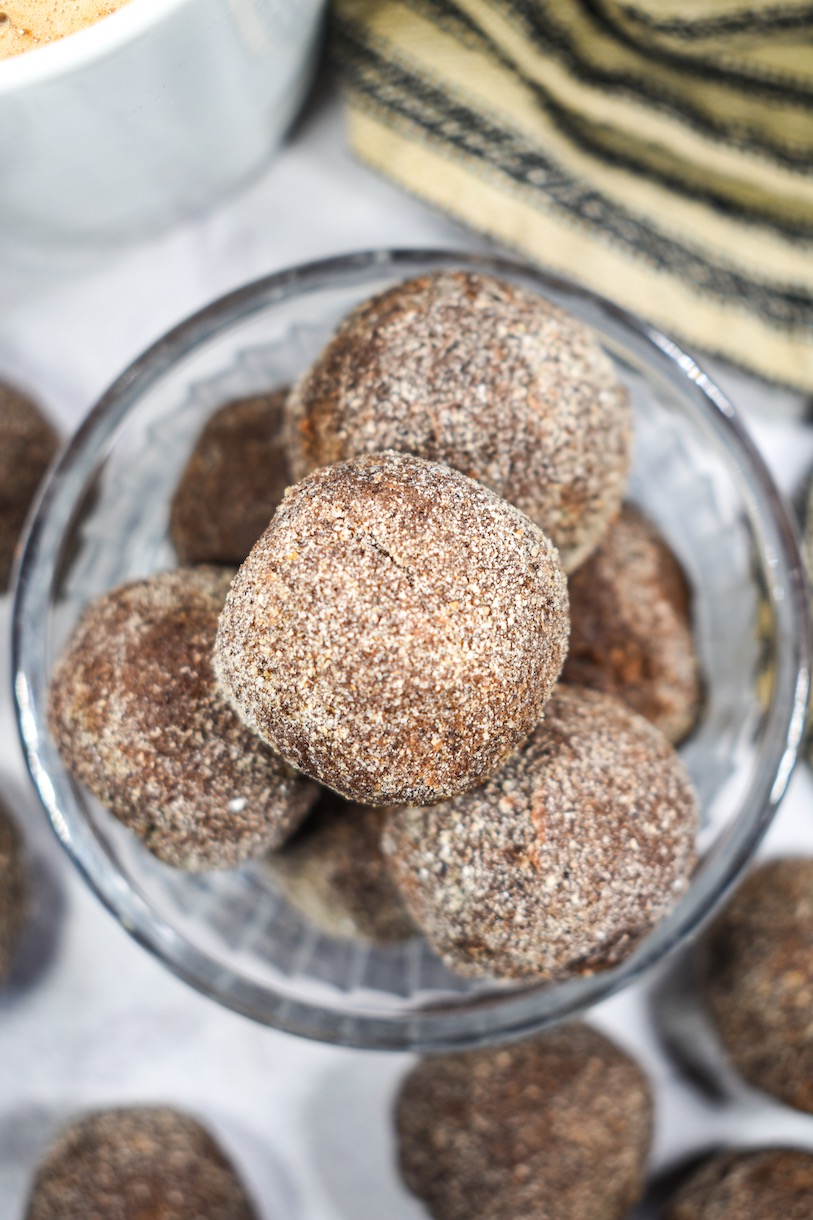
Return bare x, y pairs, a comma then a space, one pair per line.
103, 520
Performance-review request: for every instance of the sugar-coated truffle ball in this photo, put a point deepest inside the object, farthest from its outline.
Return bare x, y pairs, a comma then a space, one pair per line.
334, 872
396, 630
630, 626
564, 859
144, 1163
482, 375
28, 444
557, 1127
138, 717
761, 1184
232, 483
14, 891
756, 965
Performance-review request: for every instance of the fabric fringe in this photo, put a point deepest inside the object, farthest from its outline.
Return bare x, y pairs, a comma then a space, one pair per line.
593, 136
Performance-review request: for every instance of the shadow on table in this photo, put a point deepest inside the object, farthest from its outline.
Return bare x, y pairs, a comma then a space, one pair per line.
665, 1185
47, 900
260, 1167
25, 1132
348, 1123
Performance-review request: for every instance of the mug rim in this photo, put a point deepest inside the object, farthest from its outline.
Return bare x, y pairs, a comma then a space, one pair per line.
83, 47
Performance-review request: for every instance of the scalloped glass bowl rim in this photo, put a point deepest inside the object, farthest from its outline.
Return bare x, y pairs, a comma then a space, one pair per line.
503, 1013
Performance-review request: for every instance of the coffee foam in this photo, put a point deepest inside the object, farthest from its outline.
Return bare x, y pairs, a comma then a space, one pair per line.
26, 24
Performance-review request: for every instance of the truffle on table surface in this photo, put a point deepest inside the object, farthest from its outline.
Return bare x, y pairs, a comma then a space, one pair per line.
564, 859
761, 1184
138, 717
142, 1163
630, 626
334, 872
232, 483
558, 1126
28, 445
478, 373
396, 631
756, 970
14, 891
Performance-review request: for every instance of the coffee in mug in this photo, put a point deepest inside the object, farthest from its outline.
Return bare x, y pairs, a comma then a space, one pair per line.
26, 24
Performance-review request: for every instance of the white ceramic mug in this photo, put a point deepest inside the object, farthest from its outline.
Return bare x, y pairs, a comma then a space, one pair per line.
148, 116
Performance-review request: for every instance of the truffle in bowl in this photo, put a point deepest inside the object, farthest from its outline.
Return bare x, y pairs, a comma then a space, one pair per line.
695, 475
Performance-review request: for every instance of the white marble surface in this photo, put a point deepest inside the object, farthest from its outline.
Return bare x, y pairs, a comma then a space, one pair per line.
91, 1019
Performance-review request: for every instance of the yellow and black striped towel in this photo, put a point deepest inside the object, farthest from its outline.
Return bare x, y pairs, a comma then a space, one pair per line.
659, 151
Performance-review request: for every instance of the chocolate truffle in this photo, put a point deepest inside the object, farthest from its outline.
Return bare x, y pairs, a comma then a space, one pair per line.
13, 892
756, 968
564, 859
137, 1164
232, 483
334, 872
766, 1184
630, 626
28, 445
482, 375
396, 631
556, 1127
138, 717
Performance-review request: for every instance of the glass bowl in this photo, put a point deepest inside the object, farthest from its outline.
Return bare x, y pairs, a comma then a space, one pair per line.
103, 520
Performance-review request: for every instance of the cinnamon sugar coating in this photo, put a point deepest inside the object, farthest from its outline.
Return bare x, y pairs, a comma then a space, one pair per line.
396, 631
232, 483
334, 872
756, 965
28, 444
563, 860
630, 626
558, 1126
142, 1163
482, 375
761, 1184
14, 893
138, 717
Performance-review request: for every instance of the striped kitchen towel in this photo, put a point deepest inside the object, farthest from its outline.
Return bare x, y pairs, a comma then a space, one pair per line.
658, 151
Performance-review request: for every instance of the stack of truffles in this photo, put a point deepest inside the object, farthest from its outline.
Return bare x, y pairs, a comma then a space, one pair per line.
377, 697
